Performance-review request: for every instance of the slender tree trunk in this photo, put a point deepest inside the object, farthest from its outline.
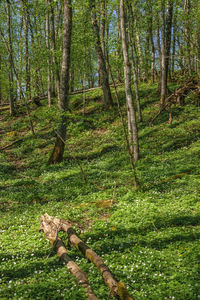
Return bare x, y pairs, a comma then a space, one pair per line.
150, 21
37, 75
49, 79
159, 55
138, 47
53, 49
58, 151
103, 26
27, 58
118, 52
169, 15
165, 47
103, 71
132, 125
187, 8
11, 79
163, 58
173, 46
0, 82
133, 64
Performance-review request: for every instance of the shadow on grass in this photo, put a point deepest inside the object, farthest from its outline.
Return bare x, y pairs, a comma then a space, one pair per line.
122, 239
44, 262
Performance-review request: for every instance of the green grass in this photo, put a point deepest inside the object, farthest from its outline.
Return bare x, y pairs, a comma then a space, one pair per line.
149, 238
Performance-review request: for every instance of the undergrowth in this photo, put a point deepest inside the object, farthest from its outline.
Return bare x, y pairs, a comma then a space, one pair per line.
148, 237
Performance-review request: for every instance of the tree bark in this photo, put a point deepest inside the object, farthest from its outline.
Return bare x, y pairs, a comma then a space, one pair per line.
49, 79
133, 63
54, 225
187, 11
53, 49
169, 14
163, 80
165, 47
11, 79
138, 47
150, 21
50, 230
102, 64
0, 83
173, 45
27, 57
58, 151
132, 125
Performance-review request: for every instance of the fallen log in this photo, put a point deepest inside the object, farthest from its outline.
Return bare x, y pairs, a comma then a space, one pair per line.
50, 231
117, 289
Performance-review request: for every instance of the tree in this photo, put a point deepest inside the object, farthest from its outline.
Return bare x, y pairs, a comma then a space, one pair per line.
58, 151
102, 64
11, 79
166, 19
132, 125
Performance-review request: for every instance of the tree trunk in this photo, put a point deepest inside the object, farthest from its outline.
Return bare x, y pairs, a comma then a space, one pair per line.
159, 53
57, 154
165, 47
11, 80
138, 47
133, 63
163, 80
187, 12
132, 126
102, 64
169, 14
0, 83
173, 46
27, 57
49, 79
150, 21
51, 226
118, 50
50, 231
53, 49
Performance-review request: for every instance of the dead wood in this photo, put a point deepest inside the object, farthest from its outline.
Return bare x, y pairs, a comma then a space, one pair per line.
35, 99
4, 108
8, 146
117, 289
81, 91
50, 230
177, 97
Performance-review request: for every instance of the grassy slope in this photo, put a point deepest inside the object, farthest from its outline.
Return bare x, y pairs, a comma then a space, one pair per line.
149, 238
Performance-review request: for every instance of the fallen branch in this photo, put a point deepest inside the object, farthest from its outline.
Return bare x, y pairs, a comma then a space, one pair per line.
176, 97
91, 89
117, 289
4, 108
8, 146
50, 231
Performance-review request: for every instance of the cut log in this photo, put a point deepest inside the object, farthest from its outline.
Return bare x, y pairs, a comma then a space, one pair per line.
50, 231
117, 289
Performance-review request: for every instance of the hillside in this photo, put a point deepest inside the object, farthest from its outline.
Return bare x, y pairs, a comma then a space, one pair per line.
149, 238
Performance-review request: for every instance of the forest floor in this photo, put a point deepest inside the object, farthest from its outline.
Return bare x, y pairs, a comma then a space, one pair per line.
149, 238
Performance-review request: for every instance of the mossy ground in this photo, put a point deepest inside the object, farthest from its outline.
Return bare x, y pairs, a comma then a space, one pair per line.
149, 238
